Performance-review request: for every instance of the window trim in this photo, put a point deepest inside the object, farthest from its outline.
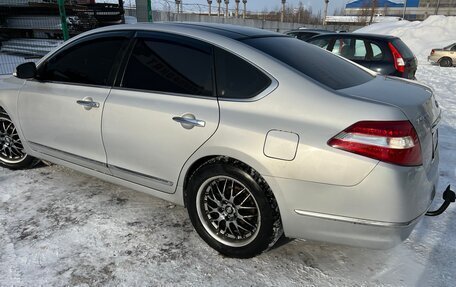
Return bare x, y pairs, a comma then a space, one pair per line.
114, 69
122, 69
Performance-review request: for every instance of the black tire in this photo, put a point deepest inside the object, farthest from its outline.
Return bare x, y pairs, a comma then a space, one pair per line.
6, 160
266, 217
445, 62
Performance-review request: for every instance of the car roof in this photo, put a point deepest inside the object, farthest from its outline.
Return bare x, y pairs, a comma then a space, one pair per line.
358, 35
226, 30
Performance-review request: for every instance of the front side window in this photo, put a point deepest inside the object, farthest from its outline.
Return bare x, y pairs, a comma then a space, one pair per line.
90, 62
236, 78
171, 65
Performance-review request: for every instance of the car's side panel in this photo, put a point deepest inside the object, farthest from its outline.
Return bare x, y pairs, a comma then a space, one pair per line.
54, 123
143, 142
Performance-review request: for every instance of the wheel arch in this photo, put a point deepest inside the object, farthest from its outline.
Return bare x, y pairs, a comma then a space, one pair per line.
200, 161
446, 58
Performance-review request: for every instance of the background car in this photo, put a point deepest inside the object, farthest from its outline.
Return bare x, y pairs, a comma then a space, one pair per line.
445, 57
305, 33
256, 133
386, 55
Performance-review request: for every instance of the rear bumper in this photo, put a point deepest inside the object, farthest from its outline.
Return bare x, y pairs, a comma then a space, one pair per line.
380, 212
354, 231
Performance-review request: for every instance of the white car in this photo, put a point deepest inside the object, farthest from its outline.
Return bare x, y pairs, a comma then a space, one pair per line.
256, 133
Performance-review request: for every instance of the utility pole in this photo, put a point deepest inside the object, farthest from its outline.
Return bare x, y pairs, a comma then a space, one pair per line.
237, 8
219, 8
209, 2
178, 2
282, 16
245, 9
405, 8
226, 7
326, 12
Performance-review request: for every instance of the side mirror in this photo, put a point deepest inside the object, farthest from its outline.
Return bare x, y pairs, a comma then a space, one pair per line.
26, 71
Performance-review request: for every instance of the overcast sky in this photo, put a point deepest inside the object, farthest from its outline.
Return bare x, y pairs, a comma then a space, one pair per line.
259, 5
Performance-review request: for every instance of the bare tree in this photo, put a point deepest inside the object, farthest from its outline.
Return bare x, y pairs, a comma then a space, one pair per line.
372, 12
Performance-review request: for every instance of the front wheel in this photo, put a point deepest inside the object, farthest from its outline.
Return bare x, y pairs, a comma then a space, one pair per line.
12, 154
233, 209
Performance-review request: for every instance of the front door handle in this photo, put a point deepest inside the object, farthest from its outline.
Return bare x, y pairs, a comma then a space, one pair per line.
88, 103
188, 121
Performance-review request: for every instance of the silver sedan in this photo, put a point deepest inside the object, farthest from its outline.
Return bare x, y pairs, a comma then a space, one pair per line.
256, 133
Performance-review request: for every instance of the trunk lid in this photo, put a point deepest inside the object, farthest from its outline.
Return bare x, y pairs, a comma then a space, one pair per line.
416, 101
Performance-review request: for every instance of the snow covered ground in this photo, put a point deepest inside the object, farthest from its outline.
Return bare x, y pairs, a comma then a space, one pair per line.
59, 227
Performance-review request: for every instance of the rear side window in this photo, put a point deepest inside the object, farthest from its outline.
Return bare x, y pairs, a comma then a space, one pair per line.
325, 68
166, 64
322, 43
403, 49
236, 78
90, 62
377, 53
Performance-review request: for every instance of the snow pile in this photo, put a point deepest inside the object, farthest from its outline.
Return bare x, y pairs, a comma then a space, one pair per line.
435, 32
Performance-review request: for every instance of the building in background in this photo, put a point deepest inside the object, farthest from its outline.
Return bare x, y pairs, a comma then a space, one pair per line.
415, 9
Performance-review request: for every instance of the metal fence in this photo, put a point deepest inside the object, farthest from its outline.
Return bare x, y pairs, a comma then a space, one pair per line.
29, 29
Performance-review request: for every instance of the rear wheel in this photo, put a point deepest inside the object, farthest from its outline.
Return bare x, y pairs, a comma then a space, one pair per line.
445, 62
232, 209
12, 154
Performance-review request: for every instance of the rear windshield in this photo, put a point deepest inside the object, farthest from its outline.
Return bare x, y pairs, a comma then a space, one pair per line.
403, 49
325, 68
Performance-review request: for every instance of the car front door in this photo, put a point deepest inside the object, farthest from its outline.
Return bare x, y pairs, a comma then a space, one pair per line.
60, 111
162, 110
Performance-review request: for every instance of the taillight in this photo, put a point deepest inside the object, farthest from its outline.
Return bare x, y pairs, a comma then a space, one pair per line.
389, 141
399, 63
432, 51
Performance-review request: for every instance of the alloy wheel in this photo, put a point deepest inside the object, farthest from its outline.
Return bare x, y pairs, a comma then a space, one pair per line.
228, 211
11, 149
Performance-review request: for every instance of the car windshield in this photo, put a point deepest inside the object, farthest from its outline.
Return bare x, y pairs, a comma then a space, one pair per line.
325, 68
449, 46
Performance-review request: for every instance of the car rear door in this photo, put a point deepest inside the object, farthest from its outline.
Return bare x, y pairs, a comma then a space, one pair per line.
163, 109
60, 111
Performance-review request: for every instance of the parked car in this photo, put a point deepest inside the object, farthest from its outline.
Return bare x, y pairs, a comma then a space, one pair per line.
256, 133
445, 57
306, 33
386, 55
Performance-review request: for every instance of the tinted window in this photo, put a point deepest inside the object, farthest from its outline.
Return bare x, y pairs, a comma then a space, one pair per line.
322, 43
169, 64
323, 67
236, 78
90, 62
454, 48
306, 35
403, 49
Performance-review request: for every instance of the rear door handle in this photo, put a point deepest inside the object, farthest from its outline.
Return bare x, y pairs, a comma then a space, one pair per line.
188, 121
88, 103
